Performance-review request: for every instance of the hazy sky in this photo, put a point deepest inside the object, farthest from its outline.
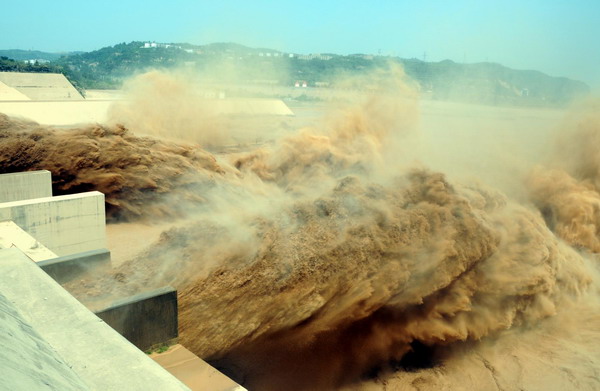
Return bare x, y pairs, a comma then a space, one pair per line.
561, 38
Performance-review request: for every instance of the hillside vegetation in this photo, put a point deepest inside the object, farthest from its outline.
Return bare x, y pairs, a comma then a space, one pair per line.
490, 83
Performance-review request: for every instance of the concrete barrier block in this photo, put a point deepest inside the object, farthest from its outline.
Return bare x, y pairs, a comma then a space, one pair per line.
66, 225
147, 319
70, 267
25, 185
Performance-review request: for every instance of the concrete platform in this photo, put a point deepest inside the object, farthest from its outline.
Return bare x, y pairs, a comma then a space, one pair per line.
65, 113
11, 235
66, 225
25, 185
100, 357
193, 371
62, 113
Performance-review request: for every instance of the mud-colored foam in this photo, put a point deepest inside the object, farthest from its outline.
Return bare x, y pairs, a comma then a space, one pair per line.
311, 262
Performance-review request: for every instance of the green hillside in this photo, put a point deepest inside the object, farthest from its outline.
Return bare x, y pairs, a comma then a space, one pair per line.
22, 55
445, 80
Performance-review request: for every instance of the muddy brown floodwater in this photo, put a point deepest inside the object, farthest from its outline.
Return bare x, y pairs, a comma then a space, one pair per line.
378, 248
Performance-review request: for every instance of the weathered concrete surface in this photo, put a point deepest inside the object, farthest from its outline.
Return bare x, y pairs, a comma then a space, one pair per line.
11, 235
28, 362
69, 267
66, 225
102, 358
25, 185
58, 112
72, 112
193, 371
147, 319
41, 86
9, 93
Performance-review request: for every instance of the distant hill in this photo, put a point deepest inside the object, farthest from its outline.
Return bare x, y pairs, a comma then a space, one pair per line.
493, 83
445, 80
22, 55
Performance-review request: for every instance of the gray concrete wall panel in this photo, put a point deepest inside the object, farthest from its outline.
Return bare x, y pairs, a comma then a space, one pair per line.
25, 185
76, 266
147, 319
66, 225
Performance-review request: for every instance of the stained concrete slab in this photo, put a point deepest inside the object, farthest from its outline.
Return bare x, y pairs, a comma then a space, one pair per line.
28, 362
66, 225
11, 235
62, 113
25, 185
74, 112
41, 86
9, 93
102, 358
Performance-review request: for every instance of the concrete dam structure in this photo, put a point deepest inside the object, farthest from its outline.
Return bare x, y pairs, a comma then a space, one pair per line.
52, 339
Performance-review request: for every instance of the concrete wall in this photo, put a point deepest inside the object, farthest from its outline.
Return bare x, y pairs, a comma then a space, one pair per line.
71, 112
41, 86
66, 225
25, 185
28, 361
147, 319
102, 358
76, 266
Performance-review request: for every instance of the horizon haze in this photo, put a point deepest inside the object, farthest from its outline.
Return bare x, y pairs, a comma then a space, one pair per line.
550, 36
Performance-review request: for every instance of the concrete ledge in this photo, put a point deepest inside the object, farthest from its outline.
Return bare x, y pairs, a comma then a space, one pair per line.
102, 358
147, 319
11, 235
66, 225
58, 112
25, 185
69, 267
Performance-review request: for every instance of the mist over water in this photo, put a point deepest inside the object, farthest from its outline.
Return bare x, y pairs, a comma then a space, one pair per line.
331, 253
